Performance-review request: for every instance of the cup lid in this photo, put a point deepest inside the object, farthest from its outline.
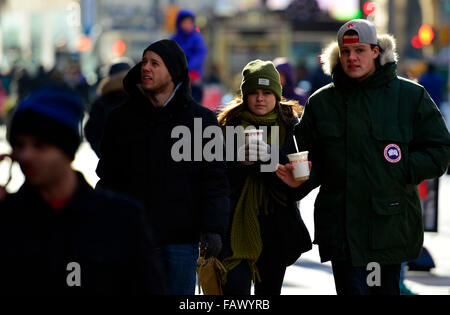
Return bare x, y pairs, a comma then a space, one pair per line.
253, 131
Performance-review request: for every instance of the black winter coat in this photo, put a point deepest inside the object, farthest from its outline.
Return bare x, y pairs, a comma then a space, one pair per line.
183, 198
106, 235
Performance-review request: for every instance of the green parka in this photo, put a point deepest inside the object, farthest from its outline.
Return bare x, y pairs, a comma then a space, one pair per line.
371, 144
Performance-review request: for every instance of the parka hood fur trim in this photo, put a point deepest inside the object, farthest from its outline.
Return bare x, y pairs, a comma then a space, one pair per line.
330, 55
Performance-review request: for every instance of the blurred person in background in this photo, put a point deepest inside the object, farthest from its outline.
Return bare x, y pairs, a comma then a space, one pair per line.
318, 78
191, 41
111, 94
287, 80
57, 220
434, 83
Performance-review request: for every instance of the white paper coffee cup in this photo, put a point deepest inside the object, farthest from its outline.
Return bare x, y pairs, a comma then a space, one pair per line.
301, 165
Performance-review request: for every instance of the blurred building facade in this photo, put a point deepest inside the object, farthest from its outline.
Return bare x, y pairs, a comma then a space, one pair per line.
31, 31
97, 31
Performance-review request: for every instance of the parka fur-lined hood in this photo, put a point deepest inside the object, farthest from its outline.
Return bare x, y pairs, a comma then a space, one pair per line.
388, 53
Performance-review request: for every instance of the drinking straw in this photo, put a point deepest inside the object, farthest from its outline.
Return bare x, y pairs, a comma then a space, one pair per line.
296, 146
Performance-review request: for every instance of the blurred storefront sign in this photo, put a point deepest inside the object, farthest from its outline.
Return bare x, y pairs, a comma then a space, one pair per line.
128, 15
33, 29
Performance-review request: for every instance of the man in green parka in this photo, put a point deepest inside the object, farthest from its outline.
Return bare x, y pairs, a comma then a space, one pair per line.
372, 137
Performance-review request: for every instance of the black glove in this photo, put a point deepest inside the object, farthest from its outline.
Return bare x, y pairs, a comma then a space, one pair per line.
211, 244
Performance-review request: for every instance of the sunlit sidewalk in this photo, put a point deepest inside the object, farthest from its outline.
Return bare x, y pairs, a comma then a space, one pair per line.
309, 277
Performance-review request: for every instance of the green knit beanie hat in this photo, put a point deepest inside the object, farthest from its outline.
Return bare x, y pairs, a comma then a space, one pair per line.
263, 75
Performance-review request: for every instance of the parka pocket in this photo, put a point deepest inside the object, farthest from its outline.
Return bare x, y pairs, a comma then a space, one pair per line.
388, 222
390, 132
391, 150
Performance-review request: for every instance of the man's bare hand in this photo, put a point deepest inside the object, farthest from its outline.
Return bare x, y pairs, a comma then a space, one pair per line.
285, 173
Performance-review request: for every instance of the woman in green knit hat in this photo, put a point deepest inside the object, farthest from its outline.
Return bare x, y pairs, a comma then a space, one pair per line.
266, 232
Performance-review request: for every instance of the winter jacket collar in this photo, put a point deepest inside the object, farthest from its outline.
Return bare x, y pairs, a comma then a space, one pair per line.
382, 77
171, 96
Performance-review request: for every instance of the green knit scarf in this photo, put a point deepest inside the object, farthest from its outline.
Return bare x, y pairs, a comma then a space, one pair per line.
256, 198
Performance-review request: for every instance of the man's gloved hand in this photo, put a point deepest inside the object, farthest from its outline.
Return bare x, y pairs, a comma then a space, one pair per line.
211, 244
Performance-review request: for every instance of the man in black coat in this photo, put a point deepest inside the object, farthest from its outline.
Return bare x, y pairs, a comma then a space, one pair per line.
187, 199
57, 235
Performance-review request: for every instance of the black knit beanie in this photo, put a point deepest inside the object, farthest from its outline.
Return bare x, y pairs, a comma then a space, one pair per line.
174, 58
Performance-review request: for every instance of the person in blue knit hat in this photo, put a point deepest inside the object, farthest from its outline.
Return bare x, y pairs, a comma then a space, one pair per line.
51, 114
57, 235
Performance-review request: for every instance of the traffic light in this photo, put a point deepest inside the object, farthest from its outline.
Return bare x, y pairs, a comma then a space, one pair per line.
119, 47
84, 44
171, 18
370, 8
426, 34
424, 37
416, 43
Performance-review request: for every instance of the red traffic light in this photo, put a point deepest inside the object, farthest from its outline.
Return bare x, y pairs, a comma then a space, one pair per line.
119, 47
370, 8
416, 43
84, 44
